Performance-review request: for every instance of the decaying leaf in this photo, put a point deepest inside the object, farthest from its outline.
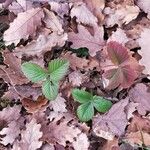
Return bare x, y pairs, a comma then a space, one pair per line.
43, 44
138, 137
122, 14
126, 68
59, 104
113, 123
12, 74
24, 25
84, 39
144, 43
83, 15
30, 138
140, 94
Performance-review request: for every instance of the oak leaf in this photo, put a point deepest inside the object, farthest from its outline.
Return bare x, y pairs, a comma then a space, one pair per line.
83, 14
113, 123
24, 25
140, 94
84, 39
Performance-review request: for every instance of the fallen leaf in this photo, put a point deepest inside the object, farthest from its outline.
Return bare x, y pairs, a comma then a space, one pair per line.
75, 78
30, 138
43, 44
145, 6
34, 106
24, 25
113, 123
12, 74
83, 14
58, 105
125, 68
139, 138
122, 15
144, 44
139, 94
75, 62
84, 39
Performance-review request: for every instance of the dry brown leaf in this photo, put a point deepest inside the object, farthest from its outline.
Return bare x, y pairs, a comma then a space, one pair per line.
24, 25
138, 137
75, 78
22, 91
58, 105
34, 106
139, 94
122, 14
75, 62
12, 74
113, 123
52, 22
84, 39
83, 14
43, 44
139, 123
145, 6
144, 43
30, 137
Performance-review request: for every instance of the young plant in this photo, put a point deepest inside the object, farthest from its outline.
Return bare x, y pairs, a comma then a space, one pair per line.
57, 69
85, 111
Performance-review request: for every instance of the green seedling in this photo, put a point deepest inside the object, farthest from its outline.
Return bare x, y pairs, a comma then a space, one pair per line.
88, 102
50, 78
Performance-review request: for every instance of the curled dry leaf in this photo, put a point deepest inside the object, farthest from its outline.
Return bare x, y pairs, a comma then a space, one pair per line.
84, 39
24, 25
138, 137
34, 106
119, 36
113, 123
43, 44
83, 14
122, 14
140, 94
125, 68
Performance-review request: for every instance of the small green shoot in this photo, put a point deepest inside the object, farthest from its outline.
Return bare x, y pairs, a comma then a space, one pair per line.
85, 111
57, 69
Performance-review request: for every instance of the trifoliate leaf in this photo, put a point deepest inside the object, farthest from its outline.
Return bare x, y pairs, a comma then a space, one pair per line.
101, 104
85, 111
81, 96
33, 72
57, 69
50, 90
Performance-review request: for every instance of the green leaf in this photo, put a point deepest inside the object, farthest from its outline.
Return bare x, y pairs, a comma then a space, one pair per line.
85, 112
50, 90
33, 72
57, 69
81, 96
101, 104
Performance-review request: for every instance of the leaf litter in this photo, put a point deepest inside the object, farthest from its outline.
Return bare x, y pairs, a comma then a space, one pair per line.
105, 43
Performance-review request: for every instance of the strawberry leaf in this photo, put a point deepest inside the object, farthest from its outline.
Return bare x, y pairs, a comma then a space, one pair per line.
85, 112
81, 96
57, 69
50, 89
101, 104
33, 72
